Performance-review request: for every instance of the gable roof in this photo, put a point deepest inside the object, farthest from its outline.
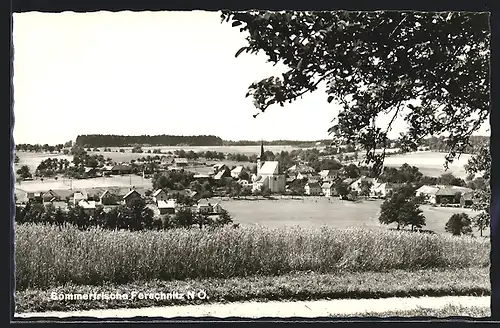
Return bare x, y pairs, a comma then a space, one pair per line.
447, 191
157, 192
130, 193
313, 185
237, 169
87, 204
269, 168
428, 190
166, 204
326, 185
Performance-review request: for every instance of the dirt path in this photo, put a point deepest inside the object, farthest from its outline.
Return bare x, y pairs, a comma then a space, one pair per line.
279, 309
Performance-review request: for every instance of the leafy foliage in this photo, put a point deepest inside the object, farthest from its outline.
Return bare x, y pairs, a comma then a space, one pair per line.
459, 224
431, 69
403, 208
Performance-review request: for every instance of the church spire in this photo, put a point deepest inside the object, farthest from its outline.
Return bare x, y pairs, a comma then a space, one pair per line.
262, 156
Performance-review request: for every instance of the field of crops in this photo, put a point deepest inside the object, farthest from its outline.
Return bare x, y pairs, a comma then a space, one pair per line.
48, 256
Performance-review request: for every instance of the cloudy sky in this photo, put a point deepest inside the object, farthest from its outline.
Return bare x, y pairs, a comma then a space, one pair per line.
136, 73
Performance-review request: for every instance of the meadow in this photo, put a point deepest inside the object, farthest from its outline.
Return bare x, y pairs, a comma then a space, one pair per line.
322, 211
49, 256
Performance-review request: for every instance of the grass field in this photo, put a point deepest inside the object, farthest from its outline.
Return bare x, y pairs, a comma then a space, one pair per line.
298, 286
322, 211
48, 256
114, 181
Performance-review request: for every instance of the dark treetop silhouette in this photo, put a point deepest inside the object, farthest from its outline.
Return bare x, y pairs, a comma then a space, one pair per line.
378, 62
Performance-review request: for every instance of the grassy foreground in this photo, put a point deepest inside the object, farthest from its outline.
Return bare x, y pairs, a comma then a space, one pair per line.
293, 286
49, 256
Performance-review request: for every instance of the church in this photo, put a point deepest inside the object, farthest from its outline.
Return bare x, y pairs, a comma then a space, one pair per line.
268, 174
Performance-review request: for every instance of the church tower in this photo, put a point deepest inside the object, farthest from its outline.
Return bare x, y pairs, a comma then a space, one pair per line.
261, 159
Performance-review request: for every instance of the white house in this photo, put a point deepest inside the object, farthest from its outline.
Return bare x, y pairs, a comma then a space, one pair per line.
328, 189
79, 196
88, 206
166, 206
217, 208
204, 206
356, 185
429, 192
312, 189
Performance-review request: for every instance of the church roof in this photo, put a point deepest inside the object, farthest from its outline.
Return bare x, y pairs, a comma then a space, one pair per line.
269, 168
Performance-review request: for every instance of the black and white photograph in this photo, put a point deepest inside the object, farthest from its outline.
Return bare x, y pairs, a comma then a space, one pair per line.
251, 164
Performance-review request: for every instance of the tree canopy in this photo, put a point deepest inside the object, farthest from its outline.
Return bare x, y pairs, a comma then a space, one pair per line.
431, 69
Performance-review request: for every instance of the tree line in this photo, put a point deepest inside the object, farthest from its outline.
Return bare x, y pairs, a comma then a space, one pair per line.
106, 140
134, 218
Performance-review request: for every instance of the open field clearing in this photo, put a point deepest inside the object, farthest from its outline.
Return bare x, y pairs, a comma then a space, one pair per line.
48, 256
34, 159
430, 163
299, 286
323, 211
113, 181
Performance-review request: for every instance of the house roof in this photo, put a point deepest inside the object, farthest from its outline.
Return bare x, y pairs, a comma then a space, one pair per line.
218, 165
326, 185
130, 193
428, 190
447, 191
181, 160
269, 168
87, 204
166, 204
237, 169
201, 176
157, 192
313, 185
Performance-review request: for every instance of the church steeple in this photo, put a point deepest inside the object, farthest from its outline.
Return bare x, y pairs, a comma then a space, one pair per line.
262, 156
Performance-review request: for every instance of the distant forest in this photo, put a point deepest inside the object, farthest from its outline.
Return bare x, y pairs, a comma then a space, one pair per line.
437, 144
107, 140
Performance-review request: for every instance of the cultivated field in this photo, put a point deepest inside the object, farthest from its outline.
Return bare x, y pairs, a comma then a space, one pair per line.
63, 183
322, 211
430, 163
34, 159
48, 256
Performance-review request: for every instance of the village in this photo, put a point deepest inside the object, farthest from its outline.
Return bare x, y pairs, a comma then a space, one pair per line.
265, 179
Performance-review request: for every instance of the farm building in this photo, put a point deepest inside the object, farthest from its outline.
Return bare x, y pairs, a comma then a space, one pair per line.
166, 206
79, 195
218, 167
217, 208
204, 206
159, 195
467, 199
238, 171
132, 197
121, 169
381, 190
49, 196
89, 206
222, 174
312, 189
429, 192
448, 195
181, 162
328, 189
328, 175
34, 197
90, 172
108, 198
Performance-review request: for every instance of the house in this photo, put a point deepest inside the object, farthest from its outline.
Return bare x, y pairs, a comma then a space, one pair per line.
88, 206
237, 172
166, 206
167, 160
218, 167
222, 173
108, 198
429, 192
121, 169
34, 197
49, 196
312, 189
381, 190
79, 196
356, 185
90, 172
132, 197
180, 162
159, 195
217, 208
467, 199
328, 175
448, 195
328, 189
204, 206
202, 177
300, 168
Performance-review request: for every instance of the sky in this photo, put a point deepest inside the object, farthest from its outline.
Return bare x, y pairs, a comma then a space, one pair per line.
135, 73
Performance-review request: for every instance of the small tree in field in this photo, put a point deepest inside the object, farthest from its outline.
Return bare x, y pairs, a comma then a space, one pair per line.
403, 208
366, 187
481, 222
24, 172
459, 224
